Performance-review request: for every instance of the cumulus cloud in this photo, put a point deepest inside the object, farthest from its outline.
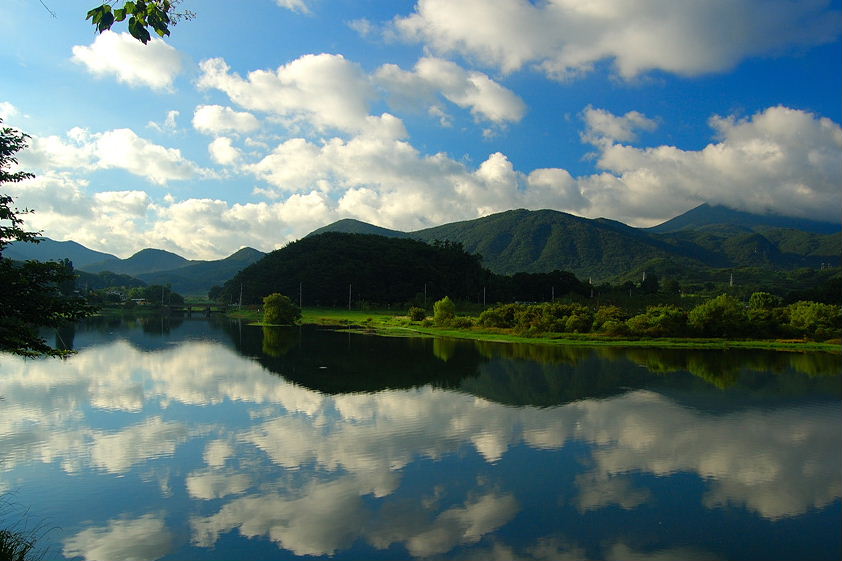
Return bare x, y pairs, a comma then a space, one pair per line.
780, 160
566, 37
154, 65
486, 99
118, 148
216, 119
603, 127
324, 91
223, 151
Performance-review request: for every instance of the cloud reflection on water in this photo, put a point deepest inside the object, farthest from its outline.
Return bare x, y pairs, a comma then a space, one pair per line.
349, 451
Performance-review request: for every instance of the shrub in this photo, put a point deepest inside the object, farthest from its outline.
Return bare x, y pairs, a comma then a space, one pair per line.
502, 316
279, 310
815, 319
417, 314
607, 314
723, 316
659, 321
444, 311
461, 322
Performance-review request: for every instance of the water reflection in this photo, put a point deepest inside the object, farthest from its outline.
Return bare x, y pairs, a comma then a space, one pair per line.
339, 444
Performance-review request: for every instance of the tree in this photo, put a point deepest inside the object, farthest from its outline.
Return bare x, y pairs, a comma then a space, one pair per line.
279, 310
723, 316
31, 292
444, 311
143, 16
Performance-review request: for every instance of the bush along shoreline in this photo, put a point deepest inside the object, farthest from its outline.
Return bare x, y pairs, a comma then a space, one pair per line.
763, 318
763, 322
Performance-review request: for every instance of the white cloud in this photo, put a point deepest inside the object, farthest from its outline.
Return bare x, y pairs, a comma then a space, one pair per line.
294, 5
7, 110
123, 149
324, 91
118, 148
485, 98
154, 65
779, 160
169, 124
140, 539
568, 37
362, 26
603, 127
223, 151
216, 119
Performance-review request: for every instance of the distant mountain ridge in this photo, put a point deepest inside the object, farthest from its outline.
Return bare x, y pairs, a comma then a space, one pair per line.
705, 215
535, 241
151, 266
51, 250
602, 249
144, 261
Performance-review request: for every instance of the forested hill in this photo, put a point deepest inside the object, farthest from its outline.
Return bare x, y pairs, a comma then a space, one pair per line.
601, 249
330, 268
374, 268
543, 240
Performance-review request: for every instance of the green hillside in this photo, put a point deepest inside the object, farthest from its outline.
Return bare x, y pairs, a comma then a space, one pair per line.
601, 249
543, 240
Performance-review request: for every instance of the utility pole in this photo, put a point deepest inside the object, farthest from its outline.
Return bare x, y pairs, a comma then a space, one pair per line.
349, 296
483, 296
241, 297
300, 297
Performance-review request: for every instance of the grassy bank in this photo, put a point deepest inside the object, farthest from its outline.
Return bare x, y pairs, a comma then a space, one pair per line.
395, 323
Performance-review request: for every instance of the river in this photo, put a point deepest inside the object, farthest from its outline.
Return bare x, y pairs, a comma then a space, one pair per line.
212, 439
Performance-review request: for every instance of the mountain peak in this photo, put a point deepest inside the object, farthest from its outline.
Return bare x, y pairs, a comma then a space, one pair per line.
707, 214
353, 226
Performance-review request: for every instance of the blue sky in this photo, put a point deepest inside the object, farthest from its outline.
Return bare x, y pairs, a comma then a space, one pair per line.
256, 124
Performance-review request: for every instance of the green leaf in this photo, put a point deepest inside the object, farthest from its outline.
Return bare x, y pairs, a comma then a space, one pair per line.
119, 14
106, 22
129, 7
138, 31
95, 14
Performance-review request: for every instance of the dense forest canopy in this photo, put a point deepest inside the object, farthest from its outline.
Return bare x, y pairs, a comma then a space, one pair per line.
325, 268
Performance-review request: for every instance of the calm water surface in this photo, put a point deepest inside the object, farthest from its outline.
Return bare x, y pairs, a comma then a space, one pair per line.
214, 440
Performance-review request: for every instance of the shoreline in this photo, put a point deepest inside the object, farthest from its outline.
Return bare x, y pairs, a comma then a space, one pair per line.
393, 325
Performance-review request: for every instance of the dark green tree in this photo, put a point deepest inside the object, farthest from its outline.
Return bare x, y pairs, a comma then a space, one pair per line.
30, 292
279, 310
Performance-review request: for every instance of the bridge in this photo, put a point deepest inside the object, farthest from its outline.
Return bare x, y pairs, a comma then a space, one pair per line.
199, 309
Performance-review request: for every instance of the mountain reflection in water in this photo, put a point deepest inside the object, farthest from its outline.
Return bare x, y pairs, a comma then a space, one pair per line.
217, 440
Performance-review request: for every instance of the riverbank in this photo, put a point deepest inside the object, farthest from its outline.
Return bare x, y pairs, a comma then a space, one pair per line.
396, 324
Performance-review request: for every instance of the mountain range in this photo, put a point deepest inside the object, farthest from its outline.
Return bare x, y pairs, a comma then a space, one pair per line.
530, 241
601, 249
